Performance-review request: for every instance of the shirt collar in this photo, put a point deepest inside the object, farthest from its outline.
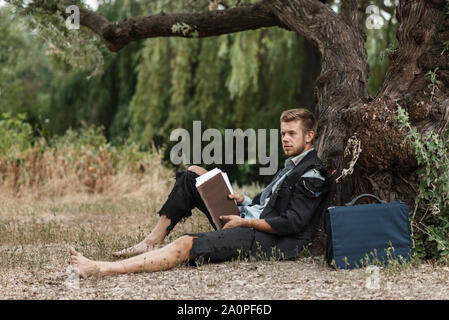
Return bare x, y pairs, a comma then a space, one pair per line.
293, 161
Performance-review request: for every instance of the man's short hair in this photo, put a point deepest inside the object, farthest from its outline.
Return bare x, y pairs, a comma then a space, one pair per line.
307, 118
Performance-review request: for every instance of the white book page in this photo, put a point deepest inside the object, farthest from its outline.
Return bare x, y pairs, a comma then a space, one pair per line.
208, 175
228, 183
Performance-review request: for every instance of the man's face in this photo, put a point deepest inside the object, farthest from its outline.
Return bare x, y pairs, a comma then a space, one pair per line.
294, 139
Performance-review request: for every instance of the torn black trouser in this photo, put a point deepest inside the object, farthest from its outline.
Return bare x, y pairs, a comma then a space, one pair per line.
225, 244
182, 199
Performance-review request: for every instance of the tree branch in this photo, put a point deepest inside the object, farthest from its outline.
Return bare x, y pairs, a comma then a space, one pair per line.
117, 35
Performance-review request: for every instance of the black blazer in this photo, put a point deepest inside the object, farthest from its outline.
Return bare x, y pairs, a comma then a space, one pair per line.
294, 209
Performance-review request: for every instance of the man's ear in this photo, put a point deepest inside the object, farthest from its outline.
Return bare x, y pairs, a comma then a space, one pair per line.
309, 136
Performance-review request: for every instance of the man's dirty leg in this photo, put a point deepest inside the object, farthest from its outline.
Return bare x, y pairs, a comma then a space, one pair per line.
182, 199
151, 242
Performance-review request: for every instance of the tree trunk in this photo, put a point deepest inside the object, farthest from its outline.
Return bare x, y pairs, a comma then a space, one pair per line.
310, 72
386, 165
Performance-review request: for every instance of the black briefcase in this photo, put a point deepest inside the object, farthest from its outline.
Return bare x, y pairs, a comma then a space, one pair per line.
359, 235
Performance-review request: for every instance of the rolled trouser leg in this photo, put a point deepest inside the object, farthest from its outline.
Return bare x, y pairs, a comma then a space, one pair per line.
182, 199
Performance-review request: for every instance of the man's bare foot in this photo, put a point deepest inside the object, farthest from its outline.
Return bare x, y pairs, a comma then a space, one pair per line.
139, 248
83, 266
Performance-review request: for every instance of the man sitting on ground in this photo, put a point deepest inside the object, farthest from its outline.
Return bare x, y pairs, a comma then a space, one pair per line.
277, 223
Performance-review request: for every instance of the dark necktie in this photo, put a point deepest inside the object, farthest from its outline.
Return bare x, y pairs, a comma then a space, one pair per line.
267, 191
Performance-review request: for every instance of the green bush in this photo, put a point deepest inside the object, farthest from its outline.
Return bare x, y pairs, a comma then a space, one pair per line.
16, 135
432, 154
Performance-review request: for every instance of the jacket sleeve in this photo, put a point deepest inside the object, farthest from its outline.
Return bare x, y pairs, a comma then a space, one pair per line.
246, 202
307, 195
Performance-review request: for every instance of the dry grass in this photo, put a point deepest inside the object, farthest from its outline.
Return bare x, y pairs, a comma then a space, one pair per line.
37, 231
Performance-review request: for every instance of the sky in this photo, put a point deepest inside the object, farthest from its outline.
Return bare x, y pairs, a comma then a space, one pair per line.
92, 3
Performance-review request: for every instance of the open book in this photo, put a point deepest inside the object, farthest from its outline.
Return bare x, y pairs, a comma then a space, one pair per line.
214, 188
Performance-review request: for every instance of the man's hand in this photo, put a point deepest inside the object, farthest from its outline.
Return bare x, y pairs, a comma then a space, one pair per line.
237, 197
234, 221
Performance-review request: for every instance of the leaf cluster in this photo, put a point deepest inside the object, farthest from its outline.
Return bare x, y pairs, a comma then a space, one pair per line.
432, 154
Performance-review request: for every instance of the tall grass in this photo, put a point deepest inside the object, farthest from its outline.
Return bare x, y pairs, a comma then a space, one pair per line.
80, 161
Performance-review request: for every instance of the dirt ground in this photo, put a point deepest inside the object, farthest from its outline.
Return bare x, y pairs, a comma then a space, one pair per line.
35, 237
301, 279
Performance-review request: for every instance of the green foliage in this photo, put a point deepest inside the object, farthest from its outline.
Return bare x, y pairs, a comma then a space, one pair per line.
219, 81
242, 80
432, 76
124, 157
78, 48
432, 154
104, 99
24, 72
245, 64
16, 135
78, 139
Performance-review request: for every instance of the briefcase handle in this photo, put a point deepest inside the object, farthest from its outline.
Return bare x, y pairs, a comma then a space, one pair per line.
351, 203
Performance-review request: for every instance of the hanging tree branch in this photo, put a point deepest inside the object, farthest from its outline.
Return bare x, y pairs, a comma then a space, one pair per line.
315, 16
117, 35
